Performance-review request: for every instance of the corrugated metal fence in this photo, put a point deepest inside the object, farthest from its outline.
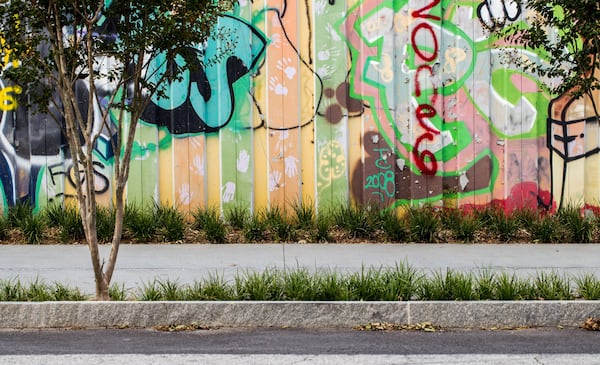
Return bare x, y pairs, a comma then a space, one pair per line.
326, 101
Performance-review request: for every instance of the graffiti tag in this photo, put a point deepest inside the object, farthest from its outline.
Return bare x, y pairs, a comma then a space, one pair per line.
424, 158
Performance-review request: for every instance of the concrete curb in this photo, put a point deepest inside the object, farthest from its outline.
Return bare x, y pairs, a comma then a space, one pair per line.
295, 314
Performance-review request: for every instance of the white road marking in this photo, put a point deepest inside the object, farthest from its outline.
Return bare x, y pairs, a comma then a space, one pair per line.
495, 359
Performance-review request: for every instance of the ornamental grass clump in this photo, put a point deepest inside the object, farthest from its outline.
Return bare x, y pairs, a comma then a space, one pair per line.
466, 227
105, 224
322, 230
401, 282
216, 288
449, 285
332, 286
237, 216
4, 227
162, 290
255, 229
117, 292
511, 287
577, 227
299, 284
139, 222
394, 228
588, 286
170, 222
423, 223
526, 217
252, 285
354, 220
71, 226
278, 224
304, 215
18, 213
37, 291
367, 285
552, 286
485, 285
54, 213
33, 228
547, 229
209, 220
506, 226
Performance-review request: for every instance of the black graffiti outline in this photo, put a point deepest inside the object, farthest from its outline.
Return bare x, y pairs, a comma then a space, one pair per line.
496, 22
305, 63
189, 120
563, 124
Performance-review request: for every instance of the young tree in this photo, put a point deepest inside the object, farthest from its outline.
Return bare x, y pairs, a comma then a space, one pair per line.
130, 48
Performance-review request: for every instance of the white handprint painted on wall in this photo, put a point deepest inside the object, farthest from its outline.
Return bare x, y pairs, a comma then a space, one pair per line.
198, 165
243, 161
228, 192
274, 181
185, 196
291, 166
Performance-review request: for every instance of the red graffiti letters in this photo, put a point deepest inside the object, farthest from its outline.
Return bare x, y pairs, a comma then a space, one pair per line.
424, 158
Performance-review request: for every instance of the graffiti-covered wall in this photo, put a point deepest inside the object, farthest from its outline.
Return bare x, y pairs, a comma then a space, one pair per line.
389, 102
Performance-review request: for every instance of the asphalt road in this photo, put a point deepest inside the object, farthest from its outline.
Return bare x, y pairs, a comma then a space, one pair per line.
287, 346
299, 342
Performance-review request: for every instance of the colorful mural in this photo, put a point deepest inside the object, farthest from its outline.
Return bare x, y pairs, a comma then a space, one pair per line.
387, 102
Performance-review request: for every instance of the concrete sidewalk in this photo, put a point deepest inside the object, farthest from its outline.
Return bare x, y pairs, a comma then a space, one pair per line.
138, 264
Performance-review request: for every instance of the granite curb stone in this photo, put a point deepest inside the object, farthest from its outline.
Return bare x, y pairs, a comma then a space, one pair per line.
295, 314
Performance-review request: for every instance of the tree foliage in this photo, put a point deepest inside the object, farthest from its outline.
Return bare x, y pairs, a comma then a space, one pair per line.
122, 52
565, 32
